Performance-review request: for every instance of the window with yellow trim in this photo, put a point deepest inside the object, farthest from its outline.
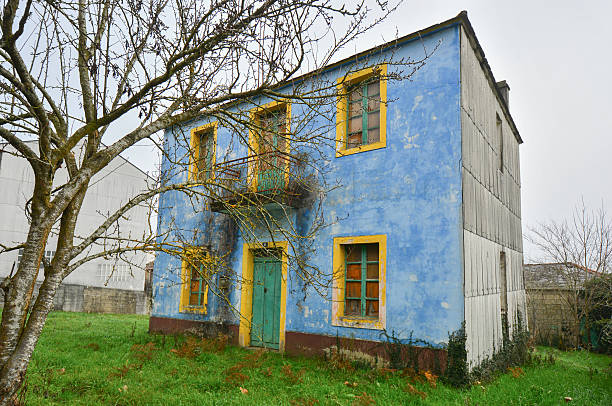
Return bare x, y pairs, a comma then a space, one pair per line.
270, 141
361, 113
359, 281
195, 276
203, 140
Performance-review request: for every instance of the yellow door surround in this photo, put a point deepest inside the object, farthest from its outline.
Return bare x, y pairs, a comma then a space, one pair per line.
246, 294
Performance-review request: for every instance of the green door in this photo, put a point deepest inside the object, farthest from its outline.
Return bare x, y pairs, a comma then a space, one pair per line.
266, 302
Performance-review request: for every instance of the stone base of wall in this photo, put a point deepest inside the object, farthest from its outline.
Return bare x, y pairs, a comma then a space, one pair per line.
300, 343
78, 298
206, 329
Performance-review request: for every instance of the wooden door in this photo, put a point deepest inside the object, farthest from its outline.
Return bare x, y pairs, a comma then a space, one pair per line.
266, 302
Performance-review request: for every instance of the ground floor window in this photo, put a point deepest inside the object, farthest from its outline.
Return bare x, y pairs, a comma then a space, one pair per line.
194, 277
362, 278
359, 281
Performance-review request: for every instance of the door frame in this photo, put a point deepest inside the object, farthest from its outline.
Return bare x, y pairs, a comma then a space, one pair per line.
246, 294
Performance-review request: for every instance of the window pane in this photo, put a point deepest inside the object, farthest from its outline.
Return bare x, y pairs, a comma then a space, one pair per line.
194, 286
373, 135
353, 289
353, 253
355, 94
374, 88
372, 290
352, 307
355, 124
354, 140
373, 120
373, 103
193, 300
372, 308
195, 272
353, 271
355, 109
372, 252
372, 271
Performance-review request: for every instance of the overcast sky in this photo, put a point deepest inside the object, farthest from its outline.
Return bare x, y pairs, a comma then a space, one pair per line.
556, 57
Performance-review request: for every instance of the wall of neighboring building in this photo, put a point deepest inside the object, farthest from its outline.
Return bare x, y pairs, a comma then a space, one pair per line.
409, 191
491, 209
550, 316
89, 299
108, 191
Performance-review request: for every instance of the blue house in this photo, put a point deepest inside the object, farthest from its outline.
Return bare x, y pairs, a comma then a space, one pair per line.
401, 216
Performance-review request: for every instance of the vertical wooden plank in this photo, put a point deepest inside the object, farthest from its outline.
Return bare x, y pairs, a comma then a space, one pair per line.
258, 305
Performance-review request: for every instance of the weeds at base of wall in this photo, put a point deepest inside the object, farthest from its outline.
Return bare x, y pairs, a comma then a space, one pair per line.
514, 354
457, 371
346, 356
405, 354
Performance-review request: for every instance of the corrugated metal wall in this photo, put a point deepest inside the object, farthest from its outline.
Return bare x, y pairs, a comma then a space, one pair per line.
491, 211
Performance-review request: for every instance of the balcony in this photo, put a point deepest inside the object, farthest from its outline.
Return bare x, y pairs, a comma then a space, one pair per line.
264, 180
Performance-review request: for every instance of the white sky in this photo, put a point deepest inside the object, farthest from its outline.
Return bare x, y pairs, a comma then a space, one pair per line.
556, 57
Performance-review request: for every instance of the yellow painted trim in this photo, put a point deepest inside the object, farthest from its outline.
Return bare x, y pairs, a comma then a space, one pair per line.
185, 283
342, 105
195, 148
254, 146
338, 318
246, 294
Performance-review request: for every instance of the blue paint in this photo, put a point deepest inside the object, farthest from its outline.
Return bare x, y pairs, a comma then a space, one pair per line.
410, 191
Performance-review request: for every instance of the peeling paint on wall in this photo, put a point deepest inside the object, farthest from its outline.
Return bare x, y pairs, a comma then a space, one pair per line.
409, 191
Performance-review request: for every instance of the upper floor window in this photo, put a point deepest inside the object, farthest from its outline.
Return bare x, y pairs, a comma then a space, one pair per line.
500, 143
361, 113
203, 146
269, 140
48, 256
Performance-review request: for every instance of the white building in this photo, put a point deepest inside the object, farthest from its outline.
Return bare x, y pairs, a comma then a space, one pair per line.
108, 190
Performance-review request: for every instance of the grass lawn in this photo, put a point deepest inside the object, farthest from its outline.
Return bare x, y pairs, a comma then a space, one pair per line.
111, 359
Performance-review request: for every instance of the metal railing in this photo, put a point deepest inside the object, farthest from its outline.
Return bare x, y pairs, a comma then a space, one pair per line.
268, 173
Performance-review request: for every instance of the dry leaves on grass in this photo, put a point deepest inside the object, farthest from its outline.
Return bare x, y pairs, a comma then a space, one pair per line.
411, 389
516, 372
364, 400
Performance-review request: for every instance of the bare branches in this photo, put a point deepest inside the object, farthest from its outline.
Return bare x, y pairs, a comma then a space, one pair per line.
83, 70
581, 249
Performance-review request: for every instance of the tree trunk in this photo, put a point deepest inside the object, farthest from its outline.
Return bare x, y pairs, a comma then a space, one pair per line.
13, 372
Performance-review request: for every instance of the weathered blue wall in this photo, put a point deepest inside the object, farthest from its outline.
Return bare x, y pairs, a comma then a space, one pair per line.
410, 191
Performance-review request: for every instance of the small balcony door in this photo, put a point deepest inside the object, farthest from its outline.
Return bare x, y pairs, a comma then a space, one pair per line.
272, 143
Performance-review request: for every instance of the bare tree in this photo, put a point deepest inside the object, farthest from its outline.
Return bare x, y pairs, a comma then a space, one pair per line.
581, 248
73, 72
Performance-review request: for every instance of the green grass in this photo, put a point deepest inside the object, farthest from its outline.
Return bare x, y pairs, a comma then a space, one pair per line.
79, 357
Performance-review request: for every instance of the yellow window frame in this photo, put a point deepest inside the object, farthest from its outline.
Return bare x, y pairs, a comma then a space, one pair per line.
339, 275
342, 106
255, 113
194, 153
184, 306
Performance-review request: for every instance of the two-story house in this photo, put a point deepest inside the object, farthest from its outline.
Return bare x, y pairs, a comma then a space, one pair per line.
405, 217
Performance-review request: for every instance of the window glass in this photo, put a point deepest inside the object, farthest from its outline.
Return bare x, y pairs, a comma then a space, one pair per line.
204, 159
362, 280
363, 113
197, 285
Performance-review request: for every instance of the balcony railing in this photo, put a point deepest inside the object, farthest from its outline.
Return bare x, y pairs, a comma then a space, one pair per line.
268, 178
